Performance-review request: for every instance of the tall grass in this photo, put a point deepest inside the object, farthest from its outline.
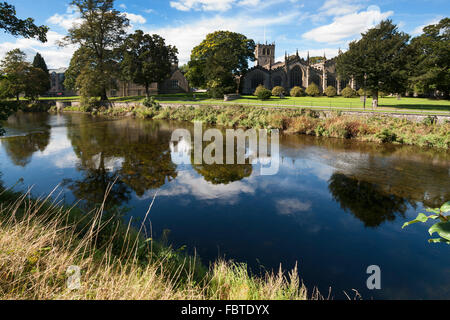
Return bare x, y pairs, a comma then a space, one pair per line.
41, 239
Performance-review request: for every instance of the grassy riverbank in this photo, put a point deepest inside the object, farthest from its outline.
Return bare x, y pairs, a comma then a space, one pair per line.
386, 104
373, 128
40, 240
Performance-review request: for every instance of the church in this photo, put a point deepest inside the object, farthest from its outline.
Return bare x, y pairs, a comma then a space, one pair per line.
293, 71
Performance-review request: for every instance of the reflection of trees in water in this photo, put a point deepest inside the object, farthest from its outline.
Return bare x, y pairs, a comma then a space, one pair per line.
222, 173
21, 149
418, 174
137, 152
365, 200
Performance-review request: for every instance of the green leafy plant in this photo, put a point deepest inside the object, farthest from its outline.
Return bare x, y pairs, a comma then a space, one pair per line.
297, 92
442, 228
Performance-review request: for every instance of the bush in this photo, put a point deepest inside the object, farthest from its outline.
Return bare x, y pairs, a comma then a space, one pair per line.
313, 90
361, 92
278, 91
262, 93
297, 92
151, 103
387, 136
331, 92
348, 92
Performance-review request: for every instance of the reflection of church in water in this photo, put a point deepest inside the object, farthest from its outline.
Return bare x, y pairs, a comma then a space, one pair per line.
294, 71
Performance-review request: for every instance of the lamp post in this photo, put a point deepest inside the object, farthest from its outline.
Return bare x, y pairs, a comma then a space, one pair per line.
365, 95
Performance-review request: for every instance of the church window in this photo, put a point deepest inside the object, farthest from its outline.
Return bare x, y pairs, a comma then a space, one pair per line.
296, 77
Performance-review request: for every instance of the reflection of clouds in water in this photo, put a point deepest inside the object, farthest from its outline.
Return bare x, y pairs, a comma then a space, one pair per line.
188, 184
291, 206
111, 163
59, 151
181, 151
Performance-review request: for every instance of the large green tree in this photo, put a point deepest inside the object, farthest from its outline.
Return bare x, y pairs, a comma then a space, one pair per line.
102, 30
17, 27
381, 56
219, 60
147, 59
430, 66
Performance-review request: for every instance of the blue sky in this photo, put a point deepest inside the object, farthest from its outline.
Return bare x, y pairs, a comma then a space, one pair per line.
316, 26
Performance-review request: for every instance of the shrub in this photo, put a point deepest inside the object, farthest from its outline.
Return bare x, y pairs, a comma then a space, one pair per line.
262, 93
297, 92
151, 103
387, 136
361, 91
348, 92
313, 90
331, 91
278, 91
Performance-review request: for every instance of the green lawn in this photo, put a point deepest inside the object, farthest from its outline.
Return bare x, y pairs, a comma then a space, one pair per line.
387, 104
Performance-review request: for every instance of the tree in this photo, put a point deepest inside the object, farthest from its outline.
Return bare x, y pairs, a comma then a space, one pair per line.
219, 60
147, 59
14, 70
381, 55
17, 27
102, 30
430, 66
39, 62
312, 90
20, 77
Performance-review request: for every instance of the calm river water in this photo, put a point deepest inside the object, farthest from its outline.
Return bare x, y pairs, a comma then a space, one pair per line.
335, 207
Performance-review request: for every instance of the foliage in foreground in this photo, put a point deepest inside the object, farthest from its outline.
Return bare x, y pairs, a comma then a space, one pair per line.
40, 240
442, 228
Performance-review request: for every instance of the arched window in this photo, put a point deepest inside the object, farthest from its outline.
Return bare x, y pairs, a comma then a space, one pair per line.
296, 77
277, 81
257, 79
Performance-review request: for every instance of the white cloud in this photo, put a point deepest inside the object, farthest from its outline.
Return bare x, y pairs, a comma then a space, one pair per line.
223, 5
418, 31
123, 6
135, 18
188, 35
66, 20
205, 5
54, 55
348, 26
340, 7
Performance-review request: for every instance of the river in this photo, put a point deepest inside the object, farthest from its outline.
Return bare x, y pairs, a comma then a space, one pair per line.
334, 208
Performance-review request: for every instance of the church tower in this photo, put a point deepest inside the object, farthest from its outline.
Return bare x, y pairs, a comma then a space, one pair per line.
265, 55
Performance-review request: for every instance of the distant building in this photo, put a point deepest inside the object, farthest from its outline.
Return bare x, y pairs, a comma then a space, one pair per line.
57, 88
293, 71
177, 83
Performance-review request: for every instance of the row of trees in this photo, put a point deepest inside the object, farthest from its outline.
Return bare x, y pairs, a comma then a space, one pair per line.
386, 60
21, 77
107, 53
